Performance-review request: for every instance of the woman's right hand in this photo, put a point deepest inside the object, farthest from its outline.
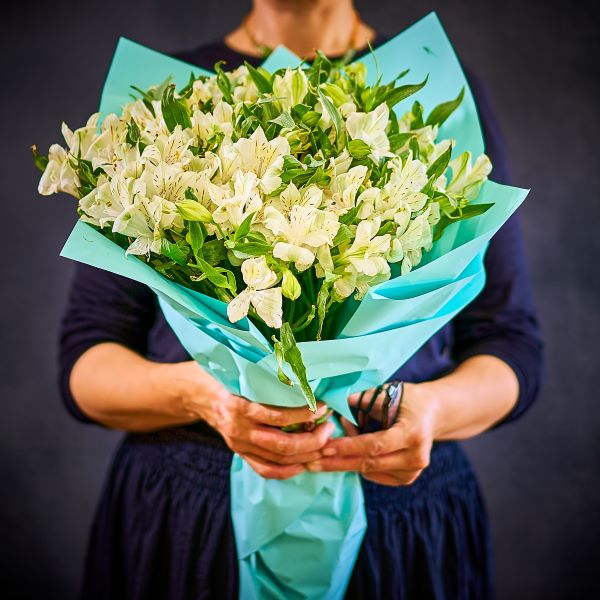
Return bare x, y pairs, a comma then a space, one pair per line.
251, 429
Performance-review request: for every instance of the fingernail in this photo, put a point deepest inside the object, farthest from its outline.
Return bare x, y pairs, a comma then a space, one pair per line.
328, 451
314, 466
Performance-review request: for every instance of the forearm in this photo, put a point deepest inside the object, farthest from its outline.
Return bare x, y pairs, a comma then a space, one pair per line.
121, 389
476, 395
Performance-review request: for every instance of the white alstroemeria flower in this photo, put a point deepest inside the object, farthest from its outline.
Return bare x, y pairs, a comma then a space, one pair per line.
58, 176
365, 255
347, 108
208, 164
80, 140
169, 181
310, 196
467, 179
102, 151
370, 128
170, 149
299, 235
404, 187
242, 199
138, 112
352, 281
341, 193
267, 301
111, 197
409, 242
245, 89
203, 91
291, 88
229, 161
145, 220
366, 202
263, 157
341, 163
136, 221
126, 161
205, 124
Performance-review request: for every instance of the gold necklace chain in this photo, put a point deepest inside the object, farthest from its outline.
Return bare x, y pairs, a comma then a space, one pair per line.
266, 50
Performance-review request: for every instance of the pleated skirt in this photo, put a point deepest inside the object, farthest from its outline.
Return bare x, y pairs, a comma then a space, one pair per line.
163, 528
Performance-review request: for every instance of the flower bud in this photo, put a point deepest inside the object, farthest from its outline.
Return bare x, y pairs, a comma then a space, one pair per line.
358, 71
291, 88
290, 287
191, 210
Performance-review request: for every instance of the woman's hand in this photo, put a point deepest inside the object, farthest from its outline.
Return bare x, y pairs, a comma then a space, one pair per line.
252, 430
394, 456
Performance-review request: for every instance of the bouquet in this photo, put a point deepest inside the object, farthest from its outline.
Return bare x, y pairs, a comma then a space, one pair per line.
279, 213
281, 194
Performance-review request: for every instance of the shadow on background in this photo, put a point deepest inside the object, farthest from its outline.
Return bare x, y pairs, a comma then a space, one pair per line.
539, 476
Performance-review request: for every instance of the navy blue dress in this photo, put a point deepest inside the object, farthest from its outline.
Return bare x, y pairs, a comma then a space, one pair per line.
163, 527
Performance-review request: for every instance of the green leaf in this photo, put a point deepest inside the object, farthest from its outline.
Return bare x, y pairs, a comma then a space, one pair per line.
187, 90
468, 212
359, 149
133, 133
417, 112
40, 161
402, 92
212, 274
322, 298
254, 244
348, 218
387, 227
397, 140
284, 120
253, 248
343, 235
223, 82
333, 113
413, 145
311, 118
244, 228
174, 110
214, 252
293, 357
174, 252
154, 93
263, 85
195, 237
439, 166
278, 347
442, 111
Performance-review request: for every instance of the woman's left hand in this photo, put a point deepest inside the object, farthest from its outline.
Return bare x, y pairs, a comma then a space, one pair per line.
394, 456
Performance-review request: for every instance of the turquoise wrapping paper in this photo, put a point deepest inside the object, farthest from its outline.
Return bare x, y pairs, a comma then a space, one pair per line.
299, 538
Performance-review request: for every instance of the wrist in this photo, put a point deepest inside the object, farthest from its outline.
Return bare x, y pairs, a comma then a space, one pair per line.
429, 400
189, 389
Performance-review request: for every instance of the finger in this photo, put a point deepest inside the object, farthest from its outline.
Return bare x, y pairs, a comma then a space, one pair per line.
270, 470
402, 462
281, 459
349, 429
277, 416
280, 442
371, 444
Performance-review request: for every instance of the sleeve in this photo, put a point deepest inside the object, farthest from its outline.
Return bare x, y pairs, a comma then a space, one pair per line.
102, 307
502, 320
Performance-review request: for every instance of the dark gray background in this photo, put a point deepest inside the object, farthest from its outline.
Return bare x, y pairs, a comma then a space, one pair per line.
539, 476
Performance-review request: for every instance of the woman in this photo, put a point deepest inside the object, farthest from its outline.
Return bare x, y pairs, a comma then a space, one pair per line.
163, 527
